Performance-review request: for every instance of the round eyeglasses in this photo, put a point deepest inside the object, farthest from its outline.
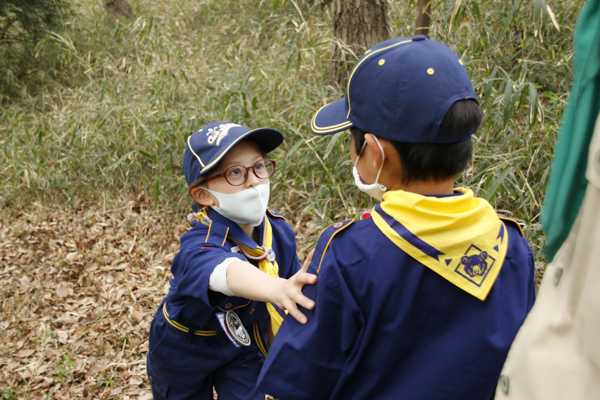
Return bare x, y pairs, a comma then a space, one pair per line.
237, 175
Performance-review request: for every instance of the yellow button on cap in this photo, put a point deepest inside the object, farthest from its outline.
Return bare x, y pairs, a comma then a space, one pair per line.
430, 71
382, 61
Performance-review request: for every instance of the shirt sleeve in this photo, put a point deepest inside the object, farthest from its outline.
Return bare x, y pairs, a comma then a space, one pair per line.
218, 278
193, 267
307, 361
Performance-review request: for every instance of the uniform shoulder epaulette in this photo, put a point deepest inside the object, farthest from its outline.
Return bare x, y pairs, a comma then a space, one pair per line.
513, 222
325, 239
275, 213
217, 234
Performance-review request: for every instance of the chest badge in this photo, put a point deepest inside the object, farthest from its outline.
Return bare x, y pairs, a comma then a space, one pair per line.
234, 328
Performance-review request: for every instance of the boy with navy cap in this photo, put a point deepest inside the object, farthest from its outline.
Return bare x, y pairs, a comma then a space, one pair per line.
423, 299
230, 283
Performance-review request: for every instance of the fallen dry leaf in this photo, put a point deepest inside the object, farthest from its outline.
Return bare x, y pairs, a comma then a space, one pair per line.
24, 353
80, 288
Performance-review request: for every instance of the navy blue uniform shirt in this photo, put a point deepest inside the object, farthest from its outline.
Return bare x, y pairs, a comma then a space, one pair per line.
387, 327
190, 302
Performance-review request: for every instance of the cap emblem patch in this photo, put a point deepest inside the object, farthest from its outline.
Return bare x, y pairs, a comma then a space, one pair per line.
215, 135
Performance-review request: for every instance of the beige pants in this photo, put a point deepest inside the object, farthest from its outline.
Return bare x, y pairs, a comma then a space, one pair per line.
556, 354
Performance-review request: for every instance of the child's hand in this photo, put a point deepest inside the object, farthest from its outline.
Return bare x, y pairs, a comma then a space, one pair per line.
291, 292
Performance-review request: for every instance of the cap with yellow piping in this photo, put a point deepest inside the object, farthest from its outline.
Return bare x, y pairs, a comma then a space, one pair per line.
400, 90
208, 146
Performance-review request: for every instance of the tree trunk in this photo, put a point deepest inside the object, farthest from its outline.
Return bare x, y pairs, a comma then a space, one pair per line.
358, 25
423, 17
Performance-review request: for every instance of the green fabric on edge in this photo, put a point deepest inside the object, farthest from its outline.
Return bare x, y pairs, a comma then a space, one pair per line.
567, 183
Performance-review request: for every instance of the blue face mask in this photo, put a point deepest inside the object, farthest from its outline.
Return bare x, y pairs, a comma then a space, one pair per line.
375, 190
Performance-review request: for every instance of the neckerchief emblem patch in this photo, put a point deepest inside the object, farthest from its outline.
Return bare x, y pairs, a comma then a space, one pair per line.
475, 265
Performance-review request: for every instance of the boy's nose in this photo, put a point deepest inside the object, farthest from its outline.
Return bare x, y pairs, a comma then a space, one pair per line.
252, 179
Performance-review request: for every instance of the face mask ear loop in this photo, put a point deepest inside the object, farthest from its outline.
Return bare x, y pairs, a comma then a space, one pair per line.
359, 154
382, 161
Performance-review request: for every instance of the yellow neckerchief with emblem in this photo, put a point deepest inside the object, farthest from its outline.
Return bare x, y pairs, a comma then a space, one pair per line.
459, 237
259, 254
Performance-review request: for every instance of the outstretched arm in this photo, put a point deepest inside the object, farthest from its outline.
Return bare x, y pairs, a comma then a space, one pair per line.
306, 361
245, 280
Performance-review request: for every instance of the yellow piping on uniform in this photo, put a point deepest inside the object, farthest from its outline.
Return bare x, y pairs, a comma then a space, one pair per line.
275, 215
326, 247
258, 340
185, 329
225, 238
512, 220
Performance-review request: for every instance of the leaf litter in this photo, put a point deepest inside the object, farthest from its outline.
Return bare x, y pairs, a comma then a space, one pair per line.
79, 290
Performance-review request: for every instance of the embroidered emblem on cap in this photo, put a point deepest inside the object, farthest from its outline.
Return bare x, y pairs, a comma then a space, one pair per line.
215, 135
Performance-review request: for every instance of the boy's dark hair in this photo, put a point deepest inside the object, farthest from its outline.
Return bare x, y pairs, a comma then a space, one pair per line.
436, 161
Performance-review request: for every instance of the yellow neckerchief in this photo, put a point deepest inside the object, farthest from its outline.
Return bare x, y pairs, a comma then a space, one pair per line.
459, 237
258, 253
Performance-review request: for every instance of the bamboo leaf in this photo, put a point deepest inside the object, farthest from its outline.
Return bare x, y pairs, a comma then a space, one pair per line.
508, 103
332, 143
489, 87
533, 103
491, 192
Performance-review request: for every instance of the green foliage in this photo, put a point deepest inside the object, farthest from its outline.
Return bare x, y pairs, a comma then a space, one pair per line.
23, 26
8, 395
24, 22
126, 94
65, 369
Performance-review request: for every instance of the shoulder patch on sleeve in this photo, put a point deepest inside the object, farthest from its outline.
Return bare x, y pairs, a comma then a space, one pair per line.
512, 222
275, 213
326, 237
217, 234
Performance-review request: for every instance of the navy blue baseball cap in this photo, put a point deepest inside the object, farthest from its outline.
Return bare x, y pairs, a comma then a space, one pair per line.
400, 90
209, 145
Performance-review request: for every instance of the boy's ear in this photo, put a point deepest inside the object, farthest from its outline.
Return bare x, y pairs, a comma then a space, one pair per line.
202, 197
378, 155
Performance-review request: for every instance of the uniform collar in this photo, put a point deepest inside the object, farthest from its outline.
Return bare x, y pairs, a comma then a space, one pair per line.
234, 230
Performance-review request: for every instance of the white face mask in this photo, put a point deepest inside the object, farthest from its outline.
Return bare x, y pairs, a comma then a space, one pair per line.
375, 190
245, 207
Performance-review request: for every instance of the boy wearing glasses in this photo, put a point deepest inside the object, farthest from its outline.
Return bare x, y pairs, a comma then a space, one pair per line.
235, 273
